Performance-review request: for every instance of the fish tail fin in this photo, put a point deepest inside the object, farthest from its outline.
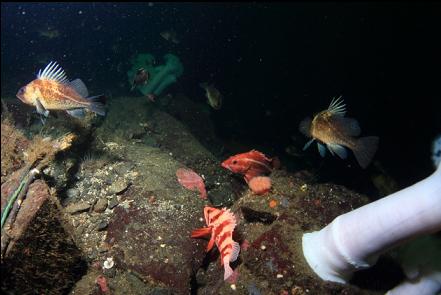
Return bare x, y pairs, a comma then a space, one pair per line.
97, 104
200, 232
364, 150
228, 271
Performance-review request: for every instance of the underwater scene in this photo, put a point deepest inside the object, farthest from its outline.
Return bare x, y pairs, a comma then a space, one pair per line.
221, 148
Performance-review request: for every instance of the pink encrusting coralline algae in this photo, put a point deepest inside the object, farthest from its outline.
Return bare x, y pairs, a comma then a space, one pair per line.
192, 181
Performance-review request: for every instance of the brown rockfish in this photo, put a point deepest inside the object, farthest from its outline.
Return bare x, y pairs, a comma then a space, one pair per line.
214, 97
53, 91
332, 129
141, 77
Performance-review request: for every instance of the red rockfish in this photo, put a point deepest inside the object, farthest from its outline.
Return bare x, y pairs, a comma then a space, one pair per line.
332, 129
220, 224
251, 164
53, 91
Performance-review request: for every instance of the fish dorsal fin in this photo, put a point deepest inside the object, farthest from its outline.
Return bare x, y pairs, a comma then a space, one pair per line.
235, 251
40, 108
79, 87
53, 72
256, 153
337, 106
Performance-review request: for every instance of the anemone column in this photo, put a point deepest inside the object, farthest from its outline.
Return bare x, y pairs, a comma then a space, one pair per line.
354, 240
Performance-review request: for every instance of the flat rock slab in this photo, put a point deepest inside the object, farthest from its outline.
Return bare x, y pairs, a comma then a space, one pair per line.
153, 241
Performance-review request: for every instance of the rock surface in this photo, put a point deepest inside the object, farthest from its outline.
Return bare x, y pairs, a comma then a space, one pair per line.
143, 217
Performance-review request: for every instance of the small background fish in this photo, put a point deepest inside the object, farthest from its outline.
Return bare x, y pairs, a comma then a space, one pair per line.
214, 97
49, 32
332, 129
170, 35
141, 78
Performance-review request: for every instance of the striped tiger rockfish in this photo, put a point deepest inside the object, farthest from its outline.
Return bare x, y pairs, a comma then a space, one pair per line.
53, 91
220, 224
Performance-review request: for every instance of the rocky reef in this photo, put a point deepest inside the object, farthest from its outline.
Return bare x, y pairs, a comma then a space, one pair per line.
125, 221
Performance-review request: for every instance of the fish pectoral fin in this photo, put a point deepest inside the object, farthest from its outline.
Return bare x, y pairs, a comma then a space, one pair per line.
235, 251
77, 113
338, 149
308, 144
321, 149
40, 108
210, 244
200, 232
43, 120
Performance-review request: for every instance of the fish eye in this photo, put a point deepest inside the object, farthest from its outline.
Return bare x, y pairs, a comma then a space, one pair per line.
234, 162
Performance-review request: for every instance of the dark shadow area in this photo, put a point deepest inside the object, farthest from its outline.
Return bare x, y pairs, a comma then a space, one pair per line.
383, 276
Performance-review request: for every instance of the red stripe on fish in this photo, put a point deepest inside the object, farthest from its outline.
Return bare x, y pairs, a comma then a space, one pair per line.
223, 237
225, 250
215, 217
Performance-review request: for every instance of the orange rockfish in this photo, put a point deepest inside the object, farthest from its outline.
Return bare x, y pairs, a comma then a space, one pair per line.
53, 91
332, 129
220, 224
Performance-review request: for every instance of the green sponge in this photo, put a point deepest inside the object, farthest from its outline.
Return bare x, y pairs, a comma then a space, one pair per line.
161, 76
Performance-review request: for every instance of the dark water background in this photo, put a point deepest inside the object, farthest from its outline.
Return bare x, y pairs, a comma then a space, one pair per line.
274, 63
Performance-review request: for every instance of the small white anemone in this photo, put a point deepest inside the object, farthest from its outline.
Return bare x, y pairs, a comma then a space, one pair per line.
109, 263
